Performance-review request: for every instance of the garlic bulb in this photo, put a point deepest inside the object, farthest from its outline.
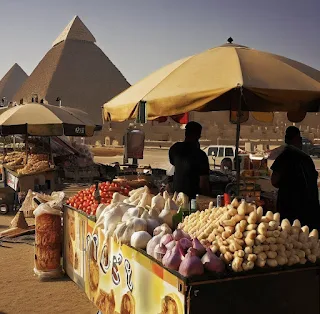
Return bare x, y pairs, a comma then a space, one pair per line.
138, 224
100, 209
117, 198
124, 207
137, 191
132, 225
152, 224
140, 239
163, 228
119, 231
131, 212
158, 202
153, 243
171, 205
145, 215
135, 202
166, 216
145, 199
112, 217
153, 213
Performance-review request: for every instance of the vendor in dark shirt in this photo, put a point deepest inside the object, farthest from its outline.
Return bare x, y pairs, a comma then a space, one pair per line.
295, 176
191, 164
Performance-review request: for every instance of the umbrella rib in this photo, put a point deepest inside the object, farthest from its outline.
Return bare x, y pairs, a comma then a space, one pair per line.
239, 63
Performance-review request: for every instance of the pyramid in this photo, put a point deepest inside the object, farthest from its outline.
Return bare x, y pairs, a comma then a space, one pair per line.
77, 71
75, 30
11, 82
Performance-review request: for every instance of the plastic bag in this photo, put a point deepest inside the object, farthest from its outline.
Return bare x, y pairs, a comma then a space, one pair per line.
45, 208
57, 201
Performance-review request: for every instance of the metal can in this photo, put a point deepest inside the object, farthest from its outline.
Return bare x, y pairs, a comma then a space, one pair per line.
226, 199
220, 200
193, 206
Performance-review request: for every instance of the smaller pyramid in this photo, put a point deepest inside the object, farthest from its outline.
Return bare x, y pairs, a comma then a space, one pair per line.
11, 82
19, 221
75, 30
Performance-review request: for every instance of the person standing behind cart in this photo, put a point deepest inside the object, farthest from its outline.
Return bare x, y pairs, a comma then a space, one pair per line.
295, 176
191, 174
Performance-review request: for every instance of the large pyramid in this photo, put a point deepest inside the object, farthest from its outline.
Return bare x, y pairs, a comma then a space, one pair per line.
11, 82
77, 71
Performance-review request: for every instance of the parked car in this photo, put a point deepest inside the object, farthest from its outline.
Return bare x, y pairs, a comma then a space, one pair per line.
221, 156
309, 148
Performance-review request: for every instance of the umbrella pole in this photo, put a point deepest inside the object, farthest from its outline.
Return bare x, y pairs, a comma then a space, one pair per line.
50, 152
4, 149
237, 146
27, 149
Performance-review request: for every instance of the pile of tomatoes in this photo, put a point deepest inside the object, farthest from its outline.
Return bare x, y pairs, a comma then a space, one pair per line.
85, 201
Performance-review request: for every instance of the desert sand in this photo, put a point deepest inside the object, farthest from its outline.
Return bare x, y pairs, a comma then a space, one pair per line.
23, 293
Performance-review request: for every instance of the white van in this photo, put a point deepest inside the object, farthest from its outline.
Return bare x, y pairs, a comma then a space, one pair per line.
217, 153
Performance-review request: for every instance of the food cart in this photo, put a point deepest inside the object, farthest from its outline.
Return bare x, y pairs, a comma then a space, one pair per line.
34, 169
122, 279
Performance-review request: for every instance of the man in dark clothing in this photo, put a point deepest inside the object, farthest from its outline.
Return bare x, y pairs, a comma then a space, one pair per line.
191, 164
295, 175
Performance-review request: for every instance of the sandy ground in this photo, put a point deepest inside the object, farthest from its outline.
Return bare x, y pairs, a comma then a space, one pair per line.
158, 158
107, 151
23, 293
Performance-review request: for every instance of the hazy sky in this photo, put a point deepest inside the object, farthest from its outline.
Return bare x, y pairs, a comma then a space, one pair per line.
139, 36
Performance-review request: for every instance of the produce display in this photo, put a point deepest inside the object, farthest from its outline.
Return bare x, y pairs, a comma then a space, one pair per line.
134, 220
85, 201
36, 163
246, 238
238, 235
145, 221
17, 161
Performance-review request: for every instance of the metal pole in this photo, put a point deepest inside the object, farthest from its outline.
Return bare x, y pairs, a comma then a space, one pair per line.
125, 153
237, 144
50, 152
27, 149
